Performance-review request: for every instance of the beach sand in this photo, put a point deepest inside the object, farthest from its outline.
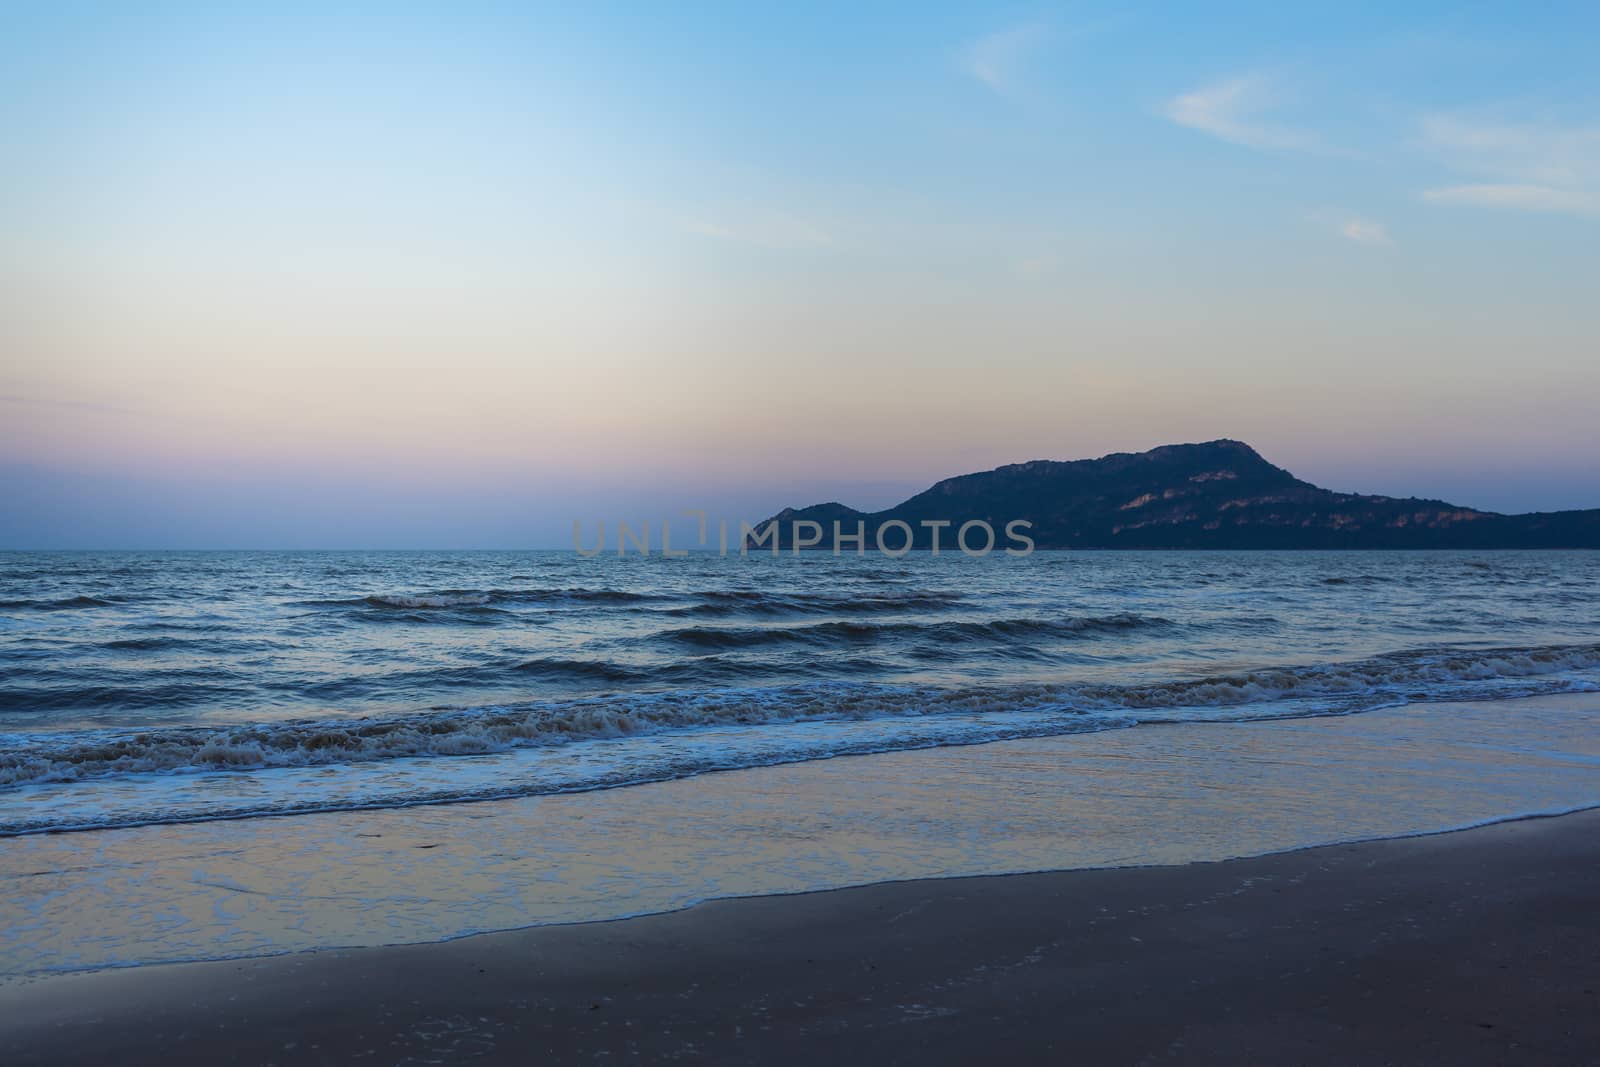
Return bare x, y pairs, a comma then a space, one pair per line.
1156, 796
1481, 946
1147, 944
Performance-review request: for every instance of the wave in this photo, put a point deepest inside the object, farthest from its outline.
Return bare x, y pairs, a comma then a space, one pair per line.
170, 643
145, 644
846, 632
72, 603
707, 603
1407, 675
760, 603
174, 689
437, 600
1343, 688
470, 598
38, 688
696, 671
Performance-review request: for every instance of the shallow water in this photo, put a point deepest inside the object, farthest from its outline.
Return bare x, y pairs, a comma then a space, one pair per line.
161, 687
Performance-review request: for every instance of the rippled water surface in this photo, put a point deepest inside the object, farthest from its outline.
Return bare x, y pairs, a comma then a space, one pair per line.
146, 687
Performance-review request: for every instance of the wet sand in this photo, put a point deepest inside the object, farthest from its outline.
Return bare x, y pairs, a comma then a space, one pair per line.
1481, 946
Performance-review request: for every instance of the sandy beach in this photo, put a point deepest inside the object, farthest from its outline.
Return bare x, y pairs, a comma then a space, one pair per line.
861, 907
1473, 947
1162, 796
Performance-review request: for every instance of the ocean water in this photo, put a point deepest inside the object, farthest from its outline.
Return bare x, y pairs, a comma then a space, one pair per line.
144, 688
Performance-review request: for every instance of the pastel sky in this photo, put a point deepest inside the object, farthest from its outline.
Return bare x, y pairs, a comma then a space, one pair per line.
441, 275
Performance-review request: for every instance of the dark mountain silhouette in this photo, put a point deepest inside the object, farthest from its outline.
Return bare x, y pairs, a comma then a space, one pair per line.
1220, 494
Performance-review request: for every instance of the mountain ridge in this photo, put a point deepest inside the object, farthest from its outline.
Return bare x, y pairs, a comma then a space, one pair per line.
1212, 494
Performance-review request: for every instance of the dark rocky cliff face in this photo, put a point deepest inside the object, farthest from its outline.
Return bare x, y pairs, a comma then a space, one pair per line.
1220, 494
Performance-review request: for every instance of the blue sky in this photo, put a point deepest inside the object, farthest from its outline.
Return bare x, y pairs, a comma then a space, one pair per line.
457, 274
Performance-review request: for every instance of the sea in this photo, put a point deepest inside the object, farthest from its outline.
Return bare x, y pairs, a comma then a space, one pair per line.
146, 688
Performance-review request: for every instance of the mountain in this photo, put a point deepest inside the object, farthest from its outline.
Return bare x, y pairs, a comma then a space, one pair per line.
1220, 494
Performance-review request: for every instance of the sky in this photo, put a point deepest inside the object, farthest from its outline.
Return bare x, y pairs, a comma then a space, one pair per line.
454, 275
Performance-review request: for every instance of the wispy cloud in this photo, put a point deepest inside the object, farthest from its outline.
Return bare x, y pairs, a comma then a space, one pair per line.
1521, 197
996, 60
1357, 229
1365, 232
1535, 167
1234, 110
1530, 152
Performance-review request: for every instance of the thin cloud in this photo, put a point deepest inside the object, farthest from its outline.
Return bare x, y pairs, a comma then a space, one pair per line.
1525, 152
1365, 232
1520, 197
997, 59
1233, 111
1358, 229
1533, 167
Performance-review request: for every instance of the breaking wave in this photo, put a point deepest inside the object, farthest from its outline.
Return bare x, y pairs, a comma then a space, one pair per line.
1428, 674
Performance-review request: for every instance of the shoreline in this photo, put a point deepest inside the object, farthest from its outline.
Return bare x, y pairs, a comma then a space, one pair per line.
489, 798
1113, 800
1470, 945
